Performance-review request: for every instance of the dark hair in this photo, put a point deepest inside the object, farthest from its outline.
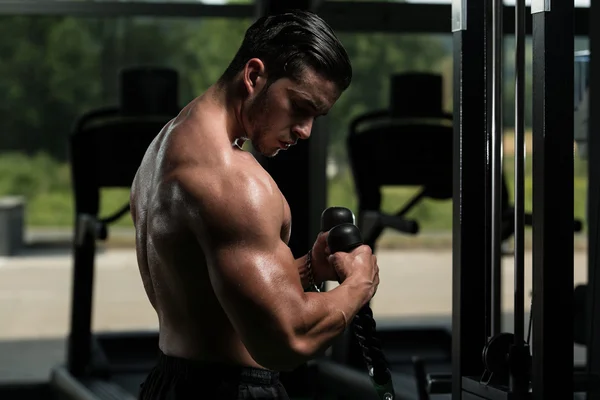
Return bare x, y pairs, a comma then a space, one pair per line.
289, 42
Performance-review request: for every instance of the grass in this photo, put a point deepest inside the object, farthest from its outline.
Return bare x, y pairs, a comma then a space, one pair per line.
46, 186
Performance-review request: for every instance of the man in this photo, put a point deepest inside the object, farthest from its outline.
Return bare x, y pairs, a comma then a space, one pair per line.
212, 226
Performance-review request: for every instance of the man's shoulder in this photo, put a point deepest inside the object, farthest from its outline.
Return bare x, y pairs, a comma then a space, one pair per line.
231, 185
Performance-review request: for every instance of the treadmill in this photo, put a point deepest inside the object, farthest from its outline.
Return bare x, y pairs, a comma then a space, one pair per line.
105, 149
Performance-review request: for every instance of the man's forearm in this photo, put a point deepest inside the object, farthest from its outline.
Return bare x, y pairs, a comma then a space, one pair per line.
316, 323
311, 325
326, 315
316, 320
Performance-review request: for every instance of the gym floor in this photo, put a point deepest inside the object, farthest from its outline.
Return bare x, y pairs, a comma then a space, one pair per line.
35, 290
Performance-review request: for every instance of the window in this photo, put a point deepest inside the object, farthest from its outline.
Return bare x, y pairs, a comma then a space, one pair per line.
55, 69
578, 3
410, 272
61, 67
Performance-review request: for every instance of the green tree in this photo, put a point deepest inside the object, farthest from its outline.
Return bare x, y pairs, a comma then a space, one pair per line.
62, 67
375, 57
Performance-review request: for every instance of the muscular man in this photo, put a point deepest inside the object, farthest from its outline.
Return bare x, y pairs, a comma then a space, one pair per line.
212, 226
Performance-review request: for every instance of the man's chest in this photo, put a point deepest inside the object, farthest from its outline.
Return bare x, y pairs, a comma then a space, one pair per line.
286, 223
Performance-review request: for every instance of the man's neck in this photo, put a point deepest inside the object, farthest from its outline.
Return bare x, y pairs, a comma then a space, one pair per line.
228, 98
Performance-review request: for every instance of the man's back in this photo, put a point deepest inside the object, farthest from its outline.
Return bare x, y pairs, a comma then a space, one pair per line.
171, 253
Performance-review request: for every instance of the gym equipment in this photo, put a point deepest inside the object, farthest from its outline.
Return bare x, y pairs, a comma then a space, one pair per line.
586, 298
506, 356
344, 236
506, 369
405, 145
414, 135
106, 149
580, 317
553, 179
502, 220
581, 299
331, 217
408, 144
334, 216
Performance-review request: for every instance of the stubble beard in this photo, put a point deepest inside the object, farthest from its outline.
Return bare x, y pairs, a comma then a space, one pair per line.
257, 109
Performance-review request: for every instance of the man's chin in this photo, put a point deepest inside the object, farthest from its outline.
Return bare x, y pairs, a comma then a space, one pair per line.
269, 154
272, 154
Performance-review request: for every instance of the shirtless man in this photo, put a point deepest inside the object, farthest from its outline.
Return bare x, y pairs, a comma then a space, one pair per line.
212, 226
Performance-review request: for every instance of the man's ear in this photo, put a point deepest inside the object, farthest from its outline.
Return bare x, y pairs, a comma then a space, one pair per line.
254, 76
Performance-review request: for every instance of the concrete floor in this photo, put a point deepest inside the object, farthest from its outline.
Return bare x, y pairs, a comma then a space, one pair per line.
35, 290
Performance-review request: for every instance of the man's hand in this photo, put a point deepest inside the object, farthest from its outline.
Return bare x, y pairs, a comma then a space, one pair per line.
321, 267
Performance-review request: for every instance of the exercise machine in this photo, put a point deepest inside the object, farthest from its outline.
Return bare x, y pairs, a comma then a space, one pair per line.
534, 362
506, 357
406, 145
488, 362
105, 150
586, 299
580, 130
409, 144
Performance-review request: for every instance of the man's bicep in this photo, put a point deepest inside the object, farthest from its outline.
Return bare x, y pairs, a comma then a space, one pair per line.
245, 272
251, 269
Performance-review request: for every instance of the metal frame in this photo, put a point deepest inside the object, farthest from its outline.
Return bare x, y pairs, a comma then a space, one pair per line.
495, 126
593, 344
553, 32
553, 70
107, 9
519, 352
343, 16
79, 341
469, 255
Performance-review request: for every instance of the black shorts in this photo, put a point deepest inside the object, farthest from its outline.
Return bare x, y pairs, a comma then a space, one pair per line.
177, 378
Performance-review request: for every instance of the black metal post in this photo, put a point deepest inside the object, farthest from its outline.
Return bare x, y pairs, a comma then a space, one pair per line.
496, 138
343, 16
519, 354
80, 336
593, 199
469, 259
519, 202
553, 71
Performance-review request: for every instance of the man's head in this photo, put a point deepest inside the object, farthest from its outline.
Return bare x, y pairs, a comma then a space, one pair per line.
289, 70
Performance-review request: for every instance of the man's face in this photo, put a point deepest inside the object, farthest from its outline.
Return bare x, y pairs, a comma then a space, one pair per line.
280, 114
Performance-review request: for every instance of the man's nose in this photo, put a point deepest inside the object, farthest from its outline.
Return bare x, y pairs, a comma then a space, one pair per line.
303, 129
